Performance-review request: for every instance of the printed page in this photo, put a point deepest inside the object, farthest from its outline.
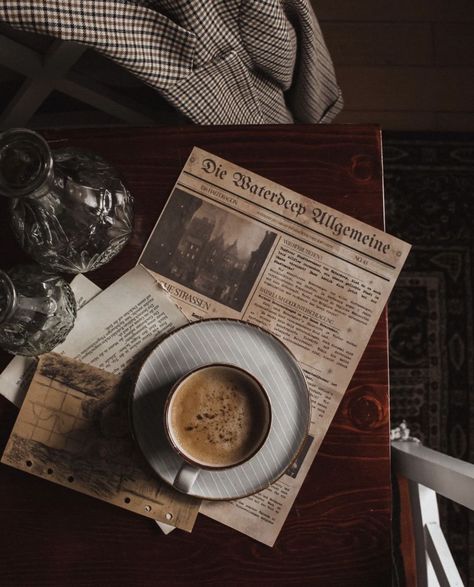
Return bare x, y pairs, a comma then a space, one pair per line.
16, 376
115, 327
230, 243
121, 322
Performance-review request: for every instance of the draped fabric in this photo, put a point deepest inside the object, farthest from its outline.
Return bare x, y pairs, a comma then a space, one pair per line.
215, 61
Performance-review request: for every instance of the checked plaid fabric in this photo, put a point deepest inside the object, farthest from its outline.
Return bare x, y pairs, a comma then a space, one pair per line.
215, 61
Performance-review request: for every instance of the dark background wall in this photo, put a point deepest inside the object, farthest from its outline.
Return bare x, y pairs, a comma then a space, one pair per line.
406, 64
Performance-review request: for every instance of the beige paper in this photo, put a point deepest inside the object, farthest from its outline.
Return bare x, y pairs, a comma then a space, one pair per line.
114, 328
109, 332
73, 429
231, 243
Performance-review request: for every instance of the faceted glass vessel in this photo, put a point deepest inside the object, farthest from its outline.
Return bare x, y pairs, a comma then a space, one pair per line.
69, 209
37, 310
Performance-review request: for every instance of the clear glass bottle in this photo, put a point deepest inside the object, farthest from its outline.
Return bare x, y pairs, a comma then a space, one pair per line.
37, 310
69, 209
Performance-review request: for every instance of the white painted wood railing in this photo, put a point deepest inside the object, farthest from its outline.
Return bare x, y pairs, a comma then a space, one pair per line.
52, 72
430, 473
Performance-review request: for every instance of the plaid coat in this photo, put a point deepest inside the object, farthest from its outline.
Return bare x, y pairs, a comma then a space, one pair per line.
215, 61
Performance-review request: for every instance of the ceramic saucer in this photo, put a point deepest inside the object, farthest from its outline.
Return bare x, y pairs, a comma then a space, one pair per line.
236, 343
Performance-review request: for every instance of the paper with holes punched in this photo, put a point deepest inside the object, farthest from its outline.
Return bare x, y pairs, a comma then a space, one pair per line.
73, 430
109, 332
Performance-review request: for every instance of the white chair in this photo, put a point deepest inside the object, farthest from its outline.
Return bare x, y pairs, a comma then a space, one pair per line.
52, 71
430, 473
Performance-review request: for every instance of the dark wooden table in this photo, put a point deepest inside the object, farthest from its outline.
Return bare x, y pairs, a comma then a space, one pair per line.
338, 533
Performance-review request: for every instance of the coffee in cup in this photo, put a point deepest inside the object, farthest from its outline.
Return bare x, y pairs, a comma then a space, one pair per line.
217, 416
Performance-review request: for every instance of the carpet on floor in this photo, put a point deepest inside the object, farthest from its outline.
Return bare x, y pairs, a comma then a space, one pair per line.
429, 199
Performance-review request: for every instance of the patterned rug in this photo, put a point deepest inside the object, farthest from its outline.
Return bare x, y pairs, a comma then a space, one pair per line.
429, 188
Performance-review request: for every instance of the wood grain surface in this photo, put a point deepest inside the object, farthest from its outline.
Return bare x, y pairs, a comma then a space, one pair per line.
338, 533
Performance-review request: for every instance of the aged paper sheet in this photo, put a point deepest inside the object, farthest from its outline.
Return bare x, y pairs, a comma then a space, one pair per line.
109, 332
73, 429
230, 243
120, 323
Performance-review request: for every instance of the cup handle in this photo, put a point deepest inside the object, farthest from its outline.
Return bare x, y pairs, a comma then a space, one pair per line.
185, 478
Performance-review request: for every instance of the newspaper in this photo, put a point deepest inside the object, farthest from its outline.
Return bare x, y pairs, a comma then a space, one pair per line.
230, 243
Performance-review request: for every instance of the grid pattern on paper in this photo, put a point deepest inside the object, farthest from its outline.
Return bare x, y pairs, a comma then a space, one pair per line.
52, 414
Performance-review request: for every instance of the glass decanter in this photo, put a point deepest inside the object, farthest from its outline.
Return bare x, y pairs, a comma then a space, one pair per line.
69, 209
37, 310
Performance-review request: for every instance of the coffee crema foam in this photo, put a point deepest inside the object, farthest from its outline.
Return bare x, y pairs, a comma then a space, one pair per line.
218, 417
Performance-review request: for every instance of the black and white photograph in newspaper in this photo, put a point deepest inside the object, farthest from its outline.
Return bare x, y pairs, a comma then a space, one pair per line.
208, 249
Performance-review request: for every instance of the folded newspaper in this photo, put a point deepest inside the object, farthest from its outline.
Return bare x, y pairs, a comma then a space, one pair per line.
230, 243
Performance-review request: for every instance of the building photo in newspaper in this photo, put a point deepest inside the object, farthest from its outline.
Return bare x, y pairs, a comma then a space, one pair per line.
208, 249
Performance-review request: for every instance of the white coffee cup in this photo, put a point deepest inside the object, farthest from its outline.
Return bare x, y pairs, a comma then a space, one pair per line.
216, 417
